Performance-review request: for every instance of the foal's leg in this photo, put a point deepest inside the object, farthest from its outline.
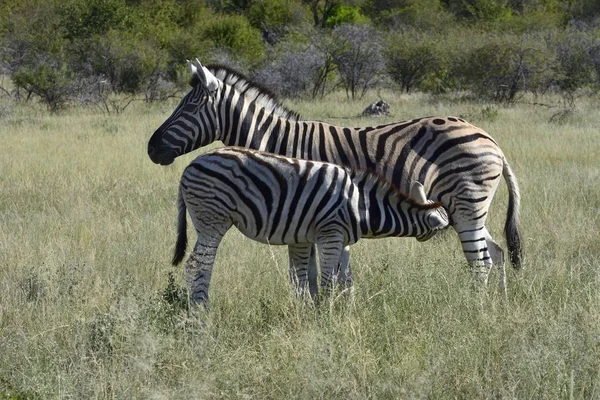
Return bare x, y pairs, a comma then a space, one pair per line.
343, 272
330, 245
301, 257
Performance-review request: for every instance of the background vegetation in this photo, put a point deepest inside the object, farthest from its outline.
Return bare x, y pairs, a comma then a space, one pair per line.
74, 52
87, 229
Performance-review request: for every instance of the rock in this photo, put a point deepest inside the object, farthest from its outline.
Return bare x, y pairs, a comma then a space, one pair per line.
380, 107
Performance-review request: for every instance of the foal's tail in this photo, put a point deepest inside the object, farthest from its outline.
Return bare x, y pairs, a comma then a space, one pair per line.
511, 227
181, 244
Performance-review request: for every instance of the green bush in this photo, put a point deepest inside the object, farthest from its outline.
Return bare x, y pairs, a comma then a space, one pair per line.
127, 63
501, 67
234, 34
345, 14
84, 19
275, 14
573, 66
411, 57
51, 79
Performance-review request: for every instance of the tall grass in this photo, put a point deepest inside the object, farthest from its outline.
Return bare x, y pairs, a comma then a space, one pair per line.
87, 227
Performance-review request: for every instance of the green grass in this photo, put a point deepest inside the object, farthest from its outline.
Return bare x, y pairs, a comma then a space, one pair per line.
87, 228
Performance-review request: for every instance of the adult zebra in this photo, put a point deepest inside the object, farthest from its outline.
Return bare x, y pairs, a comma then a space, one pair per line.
287, 201
459, 164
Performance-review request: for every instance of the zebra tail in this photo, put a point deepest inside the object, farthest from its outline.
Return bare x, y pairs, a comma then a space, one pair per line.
511, 227
181, 244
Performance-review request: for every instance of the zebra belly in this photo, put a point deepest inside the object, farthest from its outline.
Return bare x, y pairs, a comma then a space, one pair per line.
277, 238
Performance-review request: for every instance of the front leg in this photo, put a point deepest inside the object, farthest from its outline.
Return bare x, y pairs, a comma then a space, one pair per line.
330, 248
343, 272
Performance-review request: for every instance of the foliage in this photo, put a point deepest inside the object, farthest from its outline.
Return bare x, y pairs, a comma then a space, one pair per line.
294, 72
345, 14
84, 19
576, 52
501, 67
140, 47
358, 58
50, 79
235, 34
125, 63
277, 15
411, 58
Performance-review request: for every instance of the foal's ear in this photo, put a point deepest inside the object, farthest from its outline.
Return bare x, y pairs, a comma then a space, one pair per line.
417, 192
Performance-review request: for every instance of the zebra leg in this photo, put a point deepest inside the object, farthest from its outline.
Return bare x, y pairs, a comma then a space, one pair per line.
199, 267
475, 249
343, 272
301, 257
330, 248
497, 255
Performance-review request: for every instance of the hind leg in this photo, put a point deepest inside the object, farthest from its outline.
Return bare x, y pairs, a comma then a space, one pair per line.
474, 244
497, 255
200, 263
303, 268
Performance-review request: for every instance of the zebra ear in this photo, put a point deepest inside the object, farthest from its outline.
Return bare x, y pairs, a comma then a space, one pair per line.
417, 192
206, 77
212, 83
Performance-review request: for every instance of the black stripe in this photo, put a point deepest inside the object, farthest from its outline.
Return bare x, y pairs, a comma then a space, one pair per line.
312, 195
296, 134
338, 146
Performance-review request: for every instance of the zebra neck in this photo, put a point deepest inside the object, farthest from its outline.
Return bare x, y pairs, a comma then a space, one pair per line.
383, 213
249, 124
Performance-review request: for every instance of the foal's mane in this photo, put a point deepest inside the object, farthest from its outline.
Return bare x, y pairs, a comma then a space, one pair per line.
254, 91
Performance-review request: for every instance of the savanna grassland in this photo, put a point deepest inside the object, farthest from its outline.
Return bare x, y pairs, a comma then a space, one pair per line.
87, 310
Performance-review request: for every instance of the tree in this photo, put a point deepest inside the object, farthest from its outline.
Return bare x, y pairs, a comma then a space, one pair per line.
358, 57
410, 57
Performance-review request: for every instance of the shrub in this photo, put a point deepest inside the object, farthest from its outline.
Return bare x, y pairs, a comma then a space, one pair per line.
127, 64
411, 57
358, 58
275, 15
234, 34
573, 66
50, 79
345, 14
499, 68
293, 73
84, 19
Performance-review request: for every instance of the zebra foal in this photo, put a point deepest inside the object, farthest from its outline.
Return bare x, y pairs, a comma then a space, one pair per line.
287, 201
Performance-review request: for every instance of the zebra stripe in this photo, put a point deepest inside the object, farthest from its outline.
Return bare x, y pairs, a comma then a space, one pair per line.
459, 164
287, 201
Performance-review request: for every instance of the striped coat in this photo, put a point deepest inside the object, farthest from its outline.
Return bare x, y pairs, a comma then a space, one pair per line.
286, 201
459, 164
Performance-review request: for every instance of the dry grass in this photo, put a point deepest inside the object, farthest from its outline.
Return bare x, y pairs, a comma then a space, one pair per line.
87, 227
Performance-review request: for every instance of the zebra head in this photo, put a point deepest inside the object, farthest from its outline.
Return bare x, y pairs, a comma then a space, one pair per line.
436, 219
194, 122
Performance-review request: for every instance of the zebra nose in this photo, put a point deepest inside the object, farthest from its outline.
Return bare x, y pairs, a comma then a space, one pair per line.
150, 150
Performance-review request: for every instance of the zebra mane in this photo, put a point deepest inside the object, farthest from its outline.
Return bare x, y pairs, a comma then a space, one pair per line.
254, 91
384, 184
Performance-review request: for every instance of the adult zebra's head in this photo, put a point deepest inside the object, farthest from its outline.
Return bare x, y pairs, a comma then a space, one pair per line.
436, 219
194, 122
